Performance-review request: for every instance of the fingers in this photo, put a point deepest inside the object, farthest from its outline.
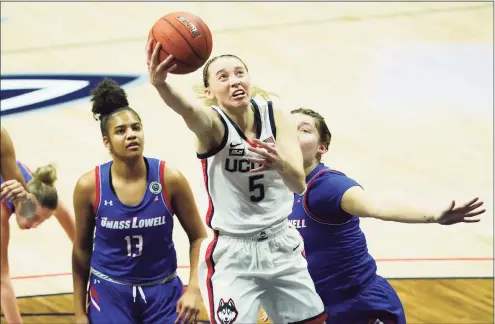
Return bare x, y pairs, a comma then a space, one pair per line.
473, 207
11, 189
147, 49
270, 147
264, 164
476, 213
471, 220
260, 169
262, 152
187, 315
259, 161
162, 66
193, 315
154, 56
470, 202
180, 317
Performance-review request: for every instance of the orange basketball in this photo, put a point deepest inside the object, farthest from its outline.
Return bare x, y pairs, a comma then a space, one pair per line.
186, 37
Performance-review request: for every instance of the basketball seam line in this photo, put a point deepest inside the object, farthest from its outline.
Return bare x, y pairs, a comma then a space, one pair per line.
203, 33
161, 49
184, 38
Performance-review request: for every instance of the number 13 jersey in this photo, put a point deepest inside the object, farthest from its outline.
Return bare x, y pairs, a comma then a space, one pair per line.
242, 202
134, 243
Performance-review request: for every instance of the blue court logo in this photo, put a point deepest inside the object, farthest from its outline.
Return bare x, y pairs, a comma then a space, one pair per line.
20, 93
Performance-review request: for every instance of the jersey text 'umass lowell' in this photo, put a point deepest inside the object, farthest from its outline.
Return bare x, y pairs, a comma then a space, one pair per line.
134, 243
244, 203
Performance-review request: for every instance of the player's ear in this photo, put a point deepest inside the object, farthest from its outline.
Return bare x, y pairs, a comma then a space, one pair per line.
208, 94
322, 148
106, 142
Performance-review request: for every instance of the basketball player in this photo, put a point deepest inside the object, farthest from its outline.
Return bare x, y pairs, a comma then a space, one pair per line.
124, 221
327, 216
255, 257
13, 187
41, 185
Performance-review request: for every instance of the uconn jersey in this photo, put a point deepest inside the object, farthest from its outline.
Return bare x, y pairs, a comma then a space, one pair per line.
133, 243
243, 203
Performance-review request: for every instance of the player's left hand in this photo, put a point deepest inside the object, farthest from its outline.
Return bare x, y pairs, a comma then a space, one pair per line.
462, 214
14, 191
189, 306
270, 161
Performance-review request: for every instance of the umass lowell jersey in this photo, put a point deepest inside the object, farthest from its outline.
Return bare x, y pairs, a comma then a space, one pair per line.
335, 246
133, 243
244, 203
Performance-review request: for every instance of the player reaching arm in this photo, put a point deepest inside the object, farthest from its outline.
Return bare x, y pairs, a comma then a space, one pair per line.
209, 129
245, 145
338, 259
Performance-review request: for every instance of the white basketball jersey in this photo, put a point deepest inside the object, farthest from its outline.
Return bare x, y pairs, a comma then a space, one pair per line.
241, 202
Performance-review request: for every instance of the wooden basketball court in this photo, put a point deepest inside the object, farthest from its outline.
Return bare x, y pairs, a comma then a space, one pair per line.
407, 89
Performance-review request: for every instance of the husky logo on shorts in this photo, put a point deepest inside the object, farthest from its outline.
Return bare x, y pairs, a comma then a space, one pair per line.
156, 187
226, 312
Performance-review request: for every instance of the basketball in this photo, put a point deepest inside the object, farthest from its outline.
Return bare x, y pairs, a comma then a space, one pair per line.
186, 37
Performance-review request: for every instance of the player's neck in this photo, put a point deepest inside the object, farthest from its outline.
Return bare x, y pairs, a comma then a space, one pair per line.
310, 168
242, 117
129, 169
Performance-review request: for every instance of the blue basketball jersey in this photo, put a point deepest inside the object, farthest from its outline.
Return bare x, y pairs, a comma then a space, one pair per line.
133, 243
335, 246
27, 175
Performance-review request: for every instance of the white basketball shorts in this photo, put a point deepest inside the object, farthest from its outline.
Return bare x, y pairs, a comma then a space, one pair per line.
237, 275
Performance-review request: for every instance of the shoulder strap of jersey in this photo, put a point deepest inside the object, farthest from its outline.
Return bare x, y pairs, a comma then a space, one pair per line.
272, 119
97, 198
166, 200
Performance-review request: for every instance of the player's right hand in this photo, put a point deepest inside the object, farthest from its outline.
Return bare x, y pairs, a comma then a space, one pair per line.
14, 191
158, 71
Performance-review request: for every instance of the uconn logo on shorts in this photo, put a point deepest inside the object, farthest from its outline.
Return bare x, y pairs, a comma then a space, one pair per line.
20, 93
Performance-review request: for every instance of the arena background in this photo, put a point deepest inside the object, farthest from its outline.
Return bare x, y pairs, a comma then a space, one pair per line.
406, 88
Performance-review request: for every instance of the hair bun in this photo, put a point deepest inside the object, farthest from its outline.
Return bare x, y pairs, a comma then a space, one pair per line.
46, 174
108, 96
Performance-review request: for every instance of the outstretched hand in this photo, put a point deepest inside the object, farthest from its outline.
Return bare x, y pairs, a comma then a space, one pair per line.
270, 161
158, 71
463, 214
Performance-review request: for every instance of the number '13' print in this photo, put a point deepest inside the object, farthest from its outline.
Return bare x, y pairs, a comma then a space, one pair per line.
138, 245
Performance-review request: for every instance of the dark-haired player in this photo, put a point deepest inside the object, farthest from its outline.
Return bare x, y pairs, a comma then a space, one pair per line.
327, 216
129, 203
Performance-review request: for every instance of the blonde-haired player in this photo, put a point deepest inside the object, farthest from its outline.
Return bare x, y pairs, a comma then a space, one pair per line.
250, 166
41, 185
